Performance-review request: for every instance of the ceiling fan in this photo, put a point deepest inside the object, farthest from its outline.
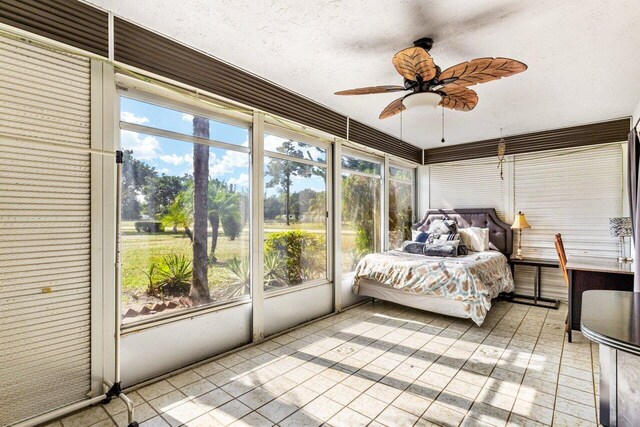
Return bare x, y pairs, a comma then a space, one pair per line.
429, 85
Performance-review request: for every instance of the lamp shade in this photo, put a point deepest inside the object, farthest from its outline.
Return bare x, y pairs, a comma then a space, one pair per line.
520, 222
620, 227
421, 103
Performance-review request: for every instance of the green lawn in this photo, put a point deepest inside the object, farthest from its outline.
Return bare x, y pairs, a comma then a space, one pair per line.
139, 250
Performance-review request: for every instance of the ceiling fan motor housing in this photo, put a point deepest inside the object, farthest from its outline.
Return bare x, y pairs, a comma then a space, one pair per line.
425, 42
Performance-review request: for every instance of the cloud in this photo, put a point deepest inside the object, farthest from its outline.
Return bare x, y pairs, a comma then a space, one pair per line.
128, 117
272, 142
176, 160
241, 181
144, 147
187, 117
230, 162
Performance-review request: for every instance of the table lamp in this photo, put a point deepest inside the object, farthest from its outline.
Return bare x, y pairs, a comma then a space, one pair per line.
519, 224
621, 228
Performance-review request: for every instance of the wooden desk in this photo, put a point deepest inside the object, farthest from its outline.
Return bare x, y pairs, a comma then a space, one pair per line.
587, 274
612, 319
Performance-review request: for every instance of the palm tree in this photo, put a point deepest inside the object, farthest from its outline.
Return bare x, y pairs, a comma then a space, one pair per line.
224, 201
180, 214
199, 292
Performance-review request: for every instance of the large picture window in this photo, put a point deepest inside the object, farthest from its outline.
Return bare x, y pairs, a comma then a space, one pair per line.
361, 213
184, 210
401, 202
295, 212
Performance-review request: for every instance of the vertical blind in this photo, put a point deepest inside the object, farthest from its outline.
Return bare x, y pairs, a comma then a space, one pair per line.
44, 223
467, 184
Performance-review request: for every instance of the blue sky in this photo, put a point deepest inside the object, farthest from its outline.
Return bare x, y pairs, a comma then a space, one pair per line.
174, 157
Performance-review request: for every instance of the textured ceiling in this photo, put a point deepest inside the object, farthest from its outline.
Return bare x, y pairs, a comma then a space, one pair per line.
582, 55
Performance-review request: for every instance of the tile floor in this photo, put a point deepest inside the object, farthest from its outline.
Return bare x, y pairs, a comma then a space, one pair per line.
384, 365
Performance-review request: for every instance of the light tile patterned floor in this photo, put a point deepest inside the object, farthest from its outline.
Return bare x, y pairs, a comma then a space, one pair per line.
388, 365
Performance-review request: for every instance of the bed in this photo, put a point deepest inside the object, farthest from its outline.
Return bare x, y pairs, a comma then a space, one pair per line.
461, 286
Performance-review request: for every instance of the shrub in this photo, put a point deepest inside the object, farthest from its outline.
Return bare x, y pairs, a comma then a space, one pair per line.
231, 225
303, 253
175, 275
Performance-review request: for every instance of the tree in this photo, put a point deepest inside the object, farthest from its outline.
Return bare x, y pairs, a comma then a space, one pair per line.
224, 205
272, 207
282, 172
161, 192
180, 214
136, 175
361, 206
200, 285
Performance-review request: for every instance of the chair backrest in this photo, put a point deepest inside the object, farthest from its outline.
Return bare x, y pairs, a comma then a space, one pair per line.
562, 257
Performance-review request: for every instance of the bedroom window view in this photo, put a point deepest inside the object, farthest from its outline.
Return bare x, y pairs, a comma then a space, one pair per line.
361, 215
401, 201
185, 212
295, 213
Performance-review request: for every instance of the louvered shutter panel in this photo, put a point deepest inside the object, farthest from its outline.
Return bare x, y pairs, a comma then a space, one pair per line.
44, 231
466, 184
572, 193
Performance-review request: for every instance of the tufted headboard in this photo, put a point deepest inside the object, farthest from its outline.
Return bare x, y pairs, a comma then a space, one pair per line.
500, 233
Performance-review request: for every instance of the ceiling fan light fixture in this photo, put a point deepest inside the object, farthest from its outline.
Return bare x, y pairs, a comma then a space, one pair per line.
422, 102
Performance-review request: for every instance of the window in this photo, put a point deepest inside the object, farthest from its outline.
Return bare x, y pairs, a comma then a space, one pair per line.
295, 212
184, 211
401, 201
361, 213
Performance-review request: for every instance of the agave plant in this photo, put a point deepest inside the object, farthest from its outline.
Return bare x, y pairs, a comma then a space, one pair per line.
241, 271
175, 275
151, 273
274, 270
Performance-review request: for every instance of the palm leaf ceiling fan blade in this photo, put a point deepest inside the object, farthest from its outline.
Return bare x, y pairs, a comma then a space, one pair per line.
458, 98
482, 70
392, 109
371, 89
414, 61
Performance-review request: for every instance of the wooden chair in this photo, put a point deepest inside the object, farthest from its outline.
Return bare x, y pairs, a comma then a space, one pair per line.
562, 258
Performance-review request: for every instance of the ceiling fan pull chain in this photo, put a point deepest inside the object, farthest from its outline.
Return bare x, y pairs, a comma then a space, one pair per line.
442, 140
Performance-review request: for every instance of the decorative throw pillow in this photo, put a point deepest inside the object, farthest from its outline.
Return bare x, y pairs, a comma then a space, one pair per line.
475, 238
449, 249
413, 247
414, 234
448, 237
462, 249
422, 237
443, 226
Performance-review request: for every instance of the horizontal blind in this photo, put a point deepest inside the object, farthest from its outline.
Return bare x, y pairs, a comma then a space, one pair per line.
45, 227
466, 184
569, 192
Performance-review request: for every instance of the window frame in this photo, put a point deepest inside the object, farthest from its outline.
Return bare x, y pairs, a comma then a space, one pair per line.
232, 118
282, 132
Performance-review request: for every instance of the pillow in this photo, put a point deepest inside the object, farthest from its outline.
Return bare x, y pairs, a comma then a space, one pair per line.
443, 226
422, 237
447, 237
462, 249
493, 247
414, 234
449, 249
413, 247
475, 238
